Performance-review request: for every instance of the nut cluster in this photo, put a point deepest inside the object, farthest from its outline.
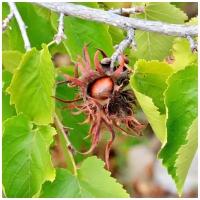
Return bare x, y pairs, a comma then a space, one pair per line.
103, 98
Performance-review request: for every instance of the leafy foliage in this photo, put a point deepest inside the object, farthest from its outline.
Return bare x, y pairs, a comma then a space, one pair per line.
26, 158
32, 85
166, 89
178, 94
92, 181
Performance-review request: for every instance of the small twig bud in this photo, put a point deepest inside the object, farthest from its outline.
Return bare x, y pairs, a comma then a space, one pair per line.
127, 11
193, 45
6, 21
60, 34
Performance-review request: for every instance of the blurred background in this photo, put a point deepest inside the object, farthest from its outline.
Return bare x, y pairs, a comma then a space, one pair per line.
133, 159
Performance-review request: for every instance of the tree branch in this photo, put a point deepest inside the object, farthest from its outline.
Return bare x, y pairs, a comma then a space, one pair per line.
21, 24
6, 21
125, 23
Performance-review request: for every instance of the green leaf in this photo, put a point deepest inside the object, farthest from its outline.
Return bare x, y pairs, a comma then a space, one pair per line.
80, 32
153, 45
32, 86
182, 54
26, 158
7, 110
149, 84
181, 101
92, 181
11, 60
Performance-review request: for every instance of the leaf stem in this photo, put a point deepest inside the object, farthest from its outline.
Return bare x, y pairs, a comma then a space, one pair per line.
65, 144
51, 43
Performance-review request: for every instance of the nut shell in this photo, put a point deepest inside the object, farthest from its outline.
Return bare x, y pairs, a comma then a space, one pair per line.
101, 88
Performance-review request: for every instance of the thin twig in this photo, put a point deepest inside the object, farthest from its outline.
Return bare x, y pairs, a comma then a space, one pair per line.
6, 21
122, 22
62, 133
127, 11
21, 24
129, 40
60, 34
193, 45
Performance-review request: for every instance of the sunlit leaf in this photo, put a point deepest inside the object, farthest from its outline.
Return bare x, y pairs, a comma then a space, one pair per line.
149, 84
32, 86
182, 54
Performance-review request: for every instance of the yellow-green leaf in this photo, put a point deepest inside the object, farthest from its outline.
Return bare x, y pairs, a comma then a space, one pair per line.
182, 54
149, 84
32, 86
